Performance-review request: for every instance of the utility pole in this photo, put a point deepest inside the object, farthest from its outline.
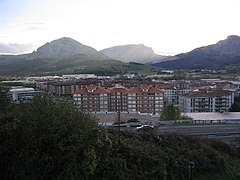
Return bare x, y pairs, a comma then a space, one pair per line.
118, 118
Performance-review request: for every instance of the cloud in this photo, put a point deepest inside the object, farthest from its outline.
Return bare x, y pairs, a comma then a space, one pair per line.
30, 29
29, 26
31, 23
15, 48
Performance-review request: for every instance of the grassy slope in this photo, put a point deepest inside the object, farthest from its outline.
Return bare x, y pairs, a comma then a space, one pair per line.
77, 64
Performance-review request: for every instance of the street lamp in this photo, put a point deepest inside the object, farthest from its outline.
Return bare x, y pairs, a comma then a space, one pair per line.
191, 167
119, 130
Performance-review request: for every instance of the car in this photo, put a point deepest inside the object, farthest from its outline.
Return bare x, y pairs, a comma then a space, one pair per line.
145, 128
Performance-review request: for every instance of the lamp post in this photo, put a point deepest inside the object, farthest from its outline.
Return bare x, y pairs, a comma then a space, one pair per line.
191, 167
119, 130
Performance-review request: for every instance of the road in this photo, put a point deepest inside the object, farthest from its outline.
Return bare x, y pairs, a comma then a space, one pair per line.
220, 130
210, 130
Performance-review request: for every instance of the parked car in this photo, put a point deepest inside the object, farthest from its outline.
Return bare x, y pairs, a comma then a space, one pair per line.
145, 128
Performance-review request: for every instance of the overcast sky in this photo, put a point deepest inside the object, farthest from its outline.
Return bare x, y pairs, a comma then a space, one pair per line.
168, 26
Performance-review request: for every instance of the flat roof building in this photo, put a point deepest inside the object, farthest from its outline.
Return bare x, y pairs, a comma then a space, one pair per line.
19, 94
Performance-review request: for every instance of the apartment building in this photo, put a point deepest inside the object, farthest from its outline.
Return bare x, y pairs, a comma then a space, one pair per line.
214, 100
64, 88
119, 99
172, 95
57, 88
143, 99
92, 99
146, 99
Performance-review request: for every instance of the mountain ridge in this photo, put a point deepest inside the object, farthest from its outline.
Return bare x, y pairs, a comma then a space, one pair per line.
132, 52
214, 56
65, 56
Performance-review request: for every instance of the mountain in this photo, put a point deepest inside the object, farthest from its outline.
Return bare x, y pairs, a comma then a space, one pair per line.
135, 53
63, 48
66, 56
221, 55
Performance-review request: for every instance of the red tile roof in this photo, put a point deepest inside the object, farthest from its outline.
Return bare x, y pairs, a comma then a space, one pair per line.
91, 90
149, 89
80, 91
102, 91
155, 90
119, 89
99, 90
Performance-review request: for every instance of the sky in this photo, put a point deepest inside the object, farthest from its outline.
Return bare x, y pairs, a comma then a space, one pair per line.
168, 26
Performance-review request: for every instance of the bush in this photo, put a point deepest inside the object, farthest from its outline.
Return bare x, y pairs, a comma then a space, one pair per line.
144, 155
221, 146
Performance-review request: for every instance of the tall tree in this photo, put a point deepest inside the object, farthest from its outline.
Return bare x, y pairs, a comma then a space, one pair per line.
48, 140
236, 105
170, 112
4, 100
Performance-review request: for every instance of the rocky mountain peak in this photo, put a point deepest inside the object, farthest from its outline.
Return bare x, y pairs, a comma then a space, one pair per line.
229, 46
233, 38
131, 52
62, 48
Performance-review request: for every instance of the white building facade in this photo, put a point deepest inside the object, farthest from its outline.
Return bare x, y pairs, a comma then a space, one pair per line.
206, 101
20, 94
172, 95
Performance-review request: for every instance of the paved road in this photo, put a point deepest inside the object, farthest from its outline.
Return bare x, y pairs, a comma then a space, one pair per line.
202, 130
209, 130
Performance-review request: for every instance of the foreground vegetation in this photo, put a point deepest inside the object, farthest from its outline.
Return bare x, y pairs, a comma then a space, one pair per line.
236, 105
45, 140
231, 172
